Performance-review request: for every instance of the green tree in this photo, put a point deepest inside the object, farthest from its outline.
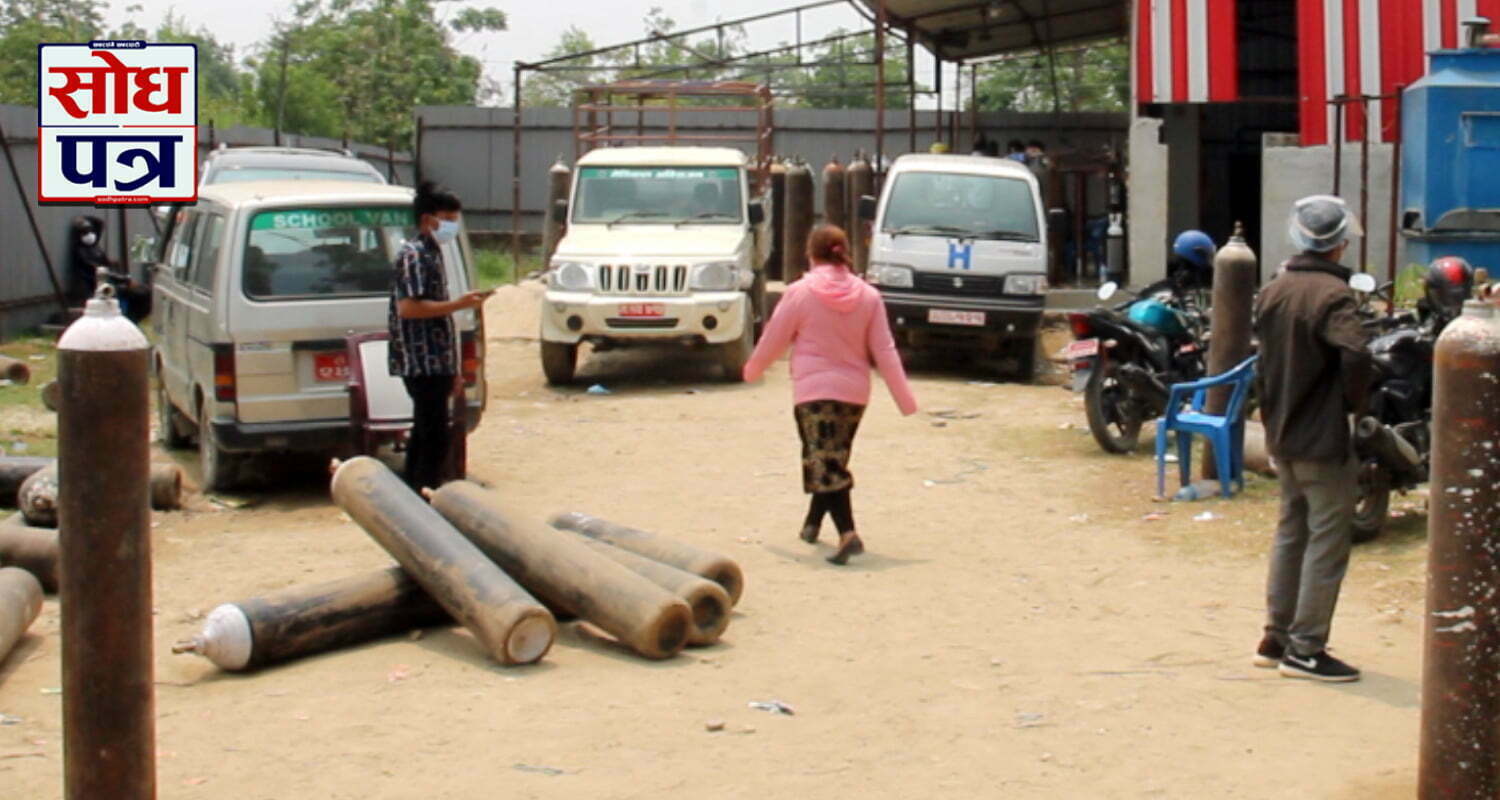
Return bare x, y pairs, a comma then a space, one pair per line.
26, 23
1095, 78
844, 78
225, 90
555, 89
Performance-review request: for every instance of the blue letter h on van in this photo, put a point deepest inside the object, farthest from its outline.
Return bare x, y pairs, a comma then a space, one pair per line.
958, 251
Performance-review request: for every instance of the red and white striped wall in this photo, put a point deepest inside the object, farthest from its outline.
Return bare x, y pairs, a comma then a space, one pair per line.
1370, 47
1186, 51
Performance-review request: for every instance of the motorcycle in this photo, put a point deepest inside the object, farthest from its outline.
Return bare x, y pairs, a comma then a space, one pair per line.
1125, 367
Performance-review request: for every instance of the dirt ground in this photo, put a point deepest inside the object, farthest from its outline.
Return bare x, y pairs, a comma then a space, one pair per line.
1019, 628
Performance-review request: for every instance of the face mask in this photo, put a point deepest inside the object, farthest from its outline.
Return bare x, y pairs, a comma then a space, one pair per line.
89, 239
446, 232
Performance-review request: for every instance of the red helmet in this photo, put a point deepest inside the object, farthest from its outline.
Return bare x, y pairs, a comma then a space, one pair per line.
1450, 281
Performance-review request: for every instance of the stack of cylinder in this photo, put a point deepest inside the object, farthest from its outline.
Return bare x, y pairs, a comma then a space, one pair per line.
861, 180
835, 204
776, 269
799, 220
558, 179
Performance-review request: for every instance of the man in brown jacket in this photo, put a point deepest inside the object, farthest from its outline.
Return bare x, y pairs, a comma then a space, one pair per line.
1313, 372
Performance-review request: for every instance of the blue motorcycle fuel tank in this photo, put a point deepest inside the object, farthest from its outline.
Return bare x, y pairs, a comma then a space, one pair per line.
1157, 316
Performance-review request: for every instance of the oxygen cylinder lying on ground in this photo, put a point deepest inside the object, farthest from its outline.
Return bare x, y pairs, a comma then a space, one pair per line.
32, 549
510, 624
16, 372
20, 603
719, 569
14, 470
37, 497
304, 620
166, 487
709, 602
36, 494
567, 575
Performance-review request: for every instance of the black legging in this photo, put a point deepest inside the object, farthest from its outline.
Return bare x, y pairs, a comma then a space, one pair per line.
427, 446
837, 504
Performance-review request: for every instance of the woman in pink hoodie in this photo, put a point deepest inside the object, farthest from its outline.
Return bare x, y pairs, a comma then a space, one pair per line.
836, 325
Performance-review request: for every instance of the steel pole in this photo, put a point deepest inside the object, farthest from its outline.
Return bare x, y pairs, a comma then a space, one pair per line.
880, 25
1395, 189
1364, 180
515, 183
1338, 144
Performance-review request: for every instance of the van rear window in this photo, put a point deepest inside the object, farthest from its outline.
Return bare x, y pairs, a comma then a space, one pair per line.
317, 253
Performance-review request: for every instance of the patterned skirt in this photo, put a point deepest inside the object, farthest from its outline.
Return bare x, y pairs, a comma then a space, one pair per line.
827, 428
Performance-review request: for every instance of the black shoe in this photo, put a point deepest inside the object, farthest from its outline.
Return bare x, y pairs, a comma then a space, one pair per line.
1318, 667
1269, 653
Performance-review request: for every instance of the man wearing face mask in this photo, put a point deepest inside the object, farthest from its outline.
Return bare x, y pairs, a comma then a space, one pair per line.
424, 341
87, 255
1313, 373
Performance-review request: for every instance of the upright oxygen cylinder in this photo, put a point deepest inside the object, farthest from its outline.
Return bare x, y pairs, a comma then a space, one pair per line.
775, 267
861, 180
1234, 278
559, 180
799, 220
1460, 750
835, 195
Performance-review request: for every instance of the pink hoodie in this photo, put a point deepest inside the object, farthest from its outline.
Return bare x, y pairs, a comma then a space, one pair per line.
839, 326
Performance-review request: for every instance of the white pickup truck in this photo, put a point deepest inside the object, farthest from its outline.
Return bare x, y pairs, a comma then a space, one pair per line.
662, 245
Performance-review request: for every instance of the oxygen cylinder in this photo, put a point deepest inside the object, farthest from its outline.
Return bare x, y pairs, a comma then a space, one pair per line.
861, 180
719, 569
1460, 750
1234, 278
20, 603
708, 600
775, 265
14, 470
304, 620
32, 549
37, 498
559, 180
835, 199
799, 220
1114, 248
15, 371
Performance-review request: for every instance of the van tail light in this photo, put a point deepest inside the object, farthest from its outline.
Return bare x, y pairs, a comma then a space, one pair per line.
224, 373
1080, 324
469, 353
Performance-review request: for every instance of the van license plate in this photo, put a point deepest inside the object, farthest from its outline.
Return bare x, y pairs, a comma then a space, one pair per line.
331, 367
942, 316
643, 310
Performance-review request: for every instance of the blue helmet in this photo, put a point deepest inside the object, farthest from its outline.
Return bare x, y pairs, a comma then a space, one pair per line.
1196, 247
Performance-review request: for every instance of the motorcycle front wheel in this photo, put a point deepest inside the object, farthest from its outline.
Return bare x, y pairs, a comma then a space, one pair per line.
1113, 417
1372, 502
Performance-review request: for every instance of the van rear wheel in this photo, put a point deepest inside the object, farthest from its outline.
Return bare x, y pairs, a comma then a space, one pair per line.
169, 421
218, 467
558, 362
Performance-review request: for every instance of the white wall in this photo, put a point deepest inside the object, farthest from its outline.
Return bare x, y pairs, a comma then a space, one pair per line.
1146, 185
1291, 172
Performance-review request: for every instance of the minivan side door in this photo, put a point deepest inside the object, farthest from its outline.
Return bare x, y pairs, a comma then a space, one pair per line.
171, 311
201, 304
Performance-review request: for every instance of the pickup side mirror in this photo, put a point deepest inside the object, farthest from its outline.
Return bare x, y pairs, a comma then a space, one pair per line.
560, 210
755, 212
867, 207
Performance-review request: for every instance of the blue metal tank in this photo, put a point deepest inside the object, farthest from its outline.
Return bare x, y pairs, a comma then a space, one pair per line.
1450, 167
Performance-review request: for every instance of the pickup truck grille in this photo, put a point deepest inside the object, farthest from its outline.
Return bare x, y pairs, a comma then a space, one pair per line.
643, 279
968, 284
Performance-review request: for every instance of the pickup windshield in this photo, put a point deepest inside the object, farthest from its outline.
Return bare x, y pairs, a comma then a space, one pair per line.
658, 195
296, 253
968, 206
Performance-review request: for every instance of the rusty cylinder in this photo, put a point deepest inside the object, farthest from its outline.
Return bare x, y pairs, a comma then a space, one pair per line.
861, 179
14, 470
15, 370
508, 622
104, 444
708, 600
835, 199
166, 487
776, 268
1460, 750
799, 220
1234, 280
566, 575
32, 549
37, 497
559, 181
20, 603
304, 620
719, 569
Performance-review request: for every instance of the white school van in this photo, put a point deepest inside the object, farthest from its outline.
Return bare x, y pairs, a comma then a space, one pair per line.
959, 251
255, 289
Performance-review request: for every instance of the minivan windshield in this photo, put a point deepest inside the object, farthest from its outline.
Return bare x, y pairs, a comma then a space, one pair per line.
953, 204
318, 253
707, 195
246, 174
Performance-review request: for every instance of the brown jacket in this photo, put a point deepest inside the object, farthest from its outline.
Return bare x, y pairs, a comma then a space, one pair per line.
1314, 366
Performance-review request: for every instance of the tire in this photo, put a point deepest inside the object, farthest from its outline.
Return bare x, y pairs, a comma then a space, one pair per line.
169, 421
559, 362
1372, 503
220, 469
1023, 351
733, 355
1113, 419
758, 304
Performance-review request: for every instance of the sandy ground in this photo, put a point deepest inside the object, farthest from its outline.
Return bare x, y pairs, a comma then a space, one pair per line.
1018, 628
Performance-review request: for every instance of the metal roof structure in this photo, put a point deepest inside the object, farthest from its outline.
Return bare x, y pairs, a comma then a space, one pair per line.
968, 30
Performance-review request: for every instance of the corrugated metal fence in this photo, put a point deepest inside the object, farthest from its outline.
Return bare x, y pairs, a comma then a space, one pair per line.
26, 294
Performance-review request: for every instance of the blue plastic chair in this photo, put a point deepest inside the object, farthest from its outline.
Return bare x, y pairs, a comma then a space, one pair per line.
1226, 433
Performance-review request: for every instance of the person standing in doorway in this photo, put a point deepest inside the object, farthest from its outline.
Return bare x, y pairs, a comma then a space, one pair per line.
424, 343
837, 328
1313, 373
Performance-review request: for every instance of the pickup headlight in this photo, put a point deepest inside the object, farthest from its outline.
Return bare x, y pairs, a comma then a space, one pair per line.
892, 275
572, 277
1025, 284
715, 276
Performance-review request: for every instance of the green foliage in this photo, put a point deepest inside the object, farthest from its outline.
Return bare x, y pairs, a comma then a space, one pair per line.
834, 83
1409, 285
1095, 78
497, 267
26, 23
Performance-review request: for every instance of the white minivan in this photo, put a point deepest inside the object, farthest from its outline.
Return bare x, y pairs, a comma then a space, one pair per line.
255, 289
959, 251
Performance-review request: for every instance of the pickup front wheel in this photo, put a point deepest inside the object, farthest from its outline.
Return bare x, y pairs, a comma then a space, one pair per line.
733, 355
558, 362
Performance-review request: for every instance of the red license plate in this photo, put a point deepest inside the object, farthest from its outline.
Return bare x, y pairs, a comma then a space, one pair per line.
1083, 348
331, 367
643, 310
